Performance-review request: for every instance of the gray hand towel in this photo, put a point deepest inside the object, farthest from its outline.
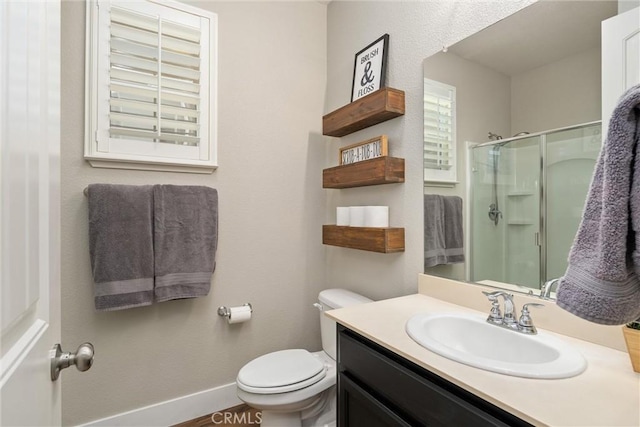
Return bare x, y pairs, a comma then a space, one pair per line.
185, 240
602, 282
443, 238
121, 245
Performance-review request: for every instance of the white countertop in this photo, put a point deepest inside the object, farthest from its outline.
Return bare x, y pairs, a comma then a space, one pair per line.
606, 394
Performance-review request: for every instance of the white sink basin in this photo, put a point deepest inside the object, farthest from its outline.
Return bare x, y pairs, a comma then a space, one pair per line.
471, 340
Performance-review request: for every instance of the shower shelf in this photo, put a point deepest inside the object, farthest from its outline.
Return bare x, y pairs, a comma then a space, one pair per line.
519, 193
519, 222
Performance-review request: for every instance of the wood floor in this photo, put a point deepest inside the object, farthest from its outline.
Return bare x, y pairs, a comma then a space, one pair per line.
238, 416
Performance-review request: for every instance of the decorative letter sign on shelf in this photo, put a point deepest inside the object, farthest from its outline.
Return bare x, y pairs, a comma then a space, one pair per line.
370, 68
365, 150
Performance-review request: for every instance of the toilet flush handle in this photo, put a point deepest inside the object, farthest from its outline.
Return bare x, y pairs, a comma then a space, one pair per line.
318, 306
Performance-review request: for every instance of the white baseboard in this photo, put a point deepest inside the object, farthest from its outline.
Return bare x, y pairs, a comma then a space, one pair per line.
175, 411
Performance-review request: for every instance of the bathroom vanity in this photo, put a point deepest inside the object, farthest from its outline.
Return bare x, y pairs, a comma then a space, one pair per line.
387, 379
376, 387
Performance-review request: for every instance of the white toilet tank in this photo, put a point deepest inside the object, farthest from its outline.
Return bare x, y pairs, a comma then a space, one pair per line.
330, 299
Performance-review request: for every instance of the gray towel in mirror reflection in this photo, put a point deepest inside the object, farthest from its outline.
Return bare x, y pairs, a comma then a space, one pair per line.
443, 238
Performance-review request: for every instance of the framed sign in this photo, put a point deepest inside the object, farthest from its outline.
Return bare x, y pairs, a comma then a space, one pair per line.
365, 150
370, 68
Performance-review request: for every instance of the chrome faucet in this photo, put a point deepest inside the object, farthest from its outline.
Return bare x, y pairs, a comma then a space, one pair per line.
509, 319
545, 291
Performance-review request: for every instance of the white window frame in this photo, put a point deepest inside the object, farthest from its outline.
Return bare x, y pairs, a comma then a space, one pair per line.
445, 175
103, 151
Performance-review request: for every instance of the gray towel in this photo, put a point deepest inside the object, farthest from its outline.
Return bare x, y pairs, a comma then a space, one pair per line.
121, 245
602, 283
185, 240
443, 238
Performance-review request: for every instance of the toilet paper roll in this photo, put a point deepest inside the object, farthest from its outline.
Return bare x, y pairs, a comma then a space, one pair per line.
376, 216
342, 215
239, 314
356, 216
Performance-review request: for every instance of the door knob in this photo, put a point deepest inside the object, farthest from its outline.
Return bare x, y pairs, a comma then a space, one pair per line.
82, 358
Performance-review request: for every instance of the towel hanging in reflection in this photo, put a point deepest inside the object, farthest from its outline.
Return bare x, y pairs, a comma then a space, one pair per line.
443, 237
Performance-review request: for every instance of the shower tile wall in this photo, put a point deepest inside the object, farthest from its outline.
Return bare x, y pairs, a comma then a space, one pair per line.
571, 158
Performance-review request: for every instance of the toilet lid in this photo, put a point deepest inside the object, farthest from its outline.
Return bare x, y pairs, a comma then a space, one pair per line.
280, 372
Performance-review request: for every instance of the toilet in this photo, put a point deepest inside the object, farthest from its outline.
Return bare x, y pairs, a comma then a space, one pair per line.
296, 388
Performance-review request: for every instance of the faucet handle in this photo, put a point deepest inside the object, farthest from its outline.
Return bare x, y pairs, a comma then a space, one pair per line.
525, 307
495, 294
525, 324
491, 295
494, 316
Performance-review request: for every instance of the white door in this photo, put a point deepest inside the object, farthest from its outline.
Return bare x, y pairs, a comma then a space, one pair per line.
30, 214
620, 59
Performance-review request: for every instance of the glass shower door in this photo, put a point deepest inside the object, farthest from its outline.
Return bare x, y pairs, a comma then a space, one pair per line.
505, 212
570, 160
487, 260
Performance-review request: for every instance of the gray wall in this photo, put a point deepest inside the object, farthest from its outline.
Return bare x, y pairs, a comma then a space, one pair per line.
563, 93
272, 72
417, 30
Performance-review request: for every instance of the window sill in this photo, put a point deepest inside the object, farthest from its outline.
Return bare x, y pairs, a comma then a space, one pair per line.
447, 184
150, 166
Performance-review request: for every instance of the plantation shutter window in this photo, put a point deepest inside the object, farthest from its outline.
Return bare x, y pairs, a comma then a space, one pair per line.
152, 86
439, 132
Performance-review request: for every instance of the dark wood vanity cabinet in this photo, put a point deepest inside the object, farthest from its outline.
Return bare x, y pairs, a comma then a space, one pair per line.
377, 388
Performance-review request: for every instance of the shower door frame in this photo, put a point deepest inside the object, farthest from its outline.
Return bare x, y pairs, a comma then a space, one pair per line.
541, 235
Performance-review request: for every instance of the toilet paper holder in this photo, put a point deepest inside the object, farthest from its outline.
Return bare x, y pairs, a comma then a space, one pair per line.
226, 311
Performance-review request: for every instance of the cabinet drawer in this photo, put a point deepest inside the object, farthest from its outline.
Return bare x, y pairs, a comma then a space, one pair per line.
413, 392
361, 409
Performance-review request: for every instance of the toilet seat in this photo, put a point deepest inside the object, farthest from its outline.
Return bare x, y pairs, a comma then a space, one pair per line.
281, 372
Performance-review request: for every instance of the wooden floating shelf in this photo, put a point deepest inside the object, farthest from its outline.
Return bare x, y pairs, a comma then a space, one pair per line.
381, 170
377, 107
384, 240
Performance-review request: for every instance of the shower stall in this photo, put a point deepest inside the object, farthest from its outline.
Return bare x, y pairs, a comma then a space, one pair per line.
526, 198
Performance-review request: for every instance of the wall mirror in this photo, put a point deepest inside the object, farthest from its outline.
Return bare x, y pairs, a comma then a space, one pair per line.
526, 100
